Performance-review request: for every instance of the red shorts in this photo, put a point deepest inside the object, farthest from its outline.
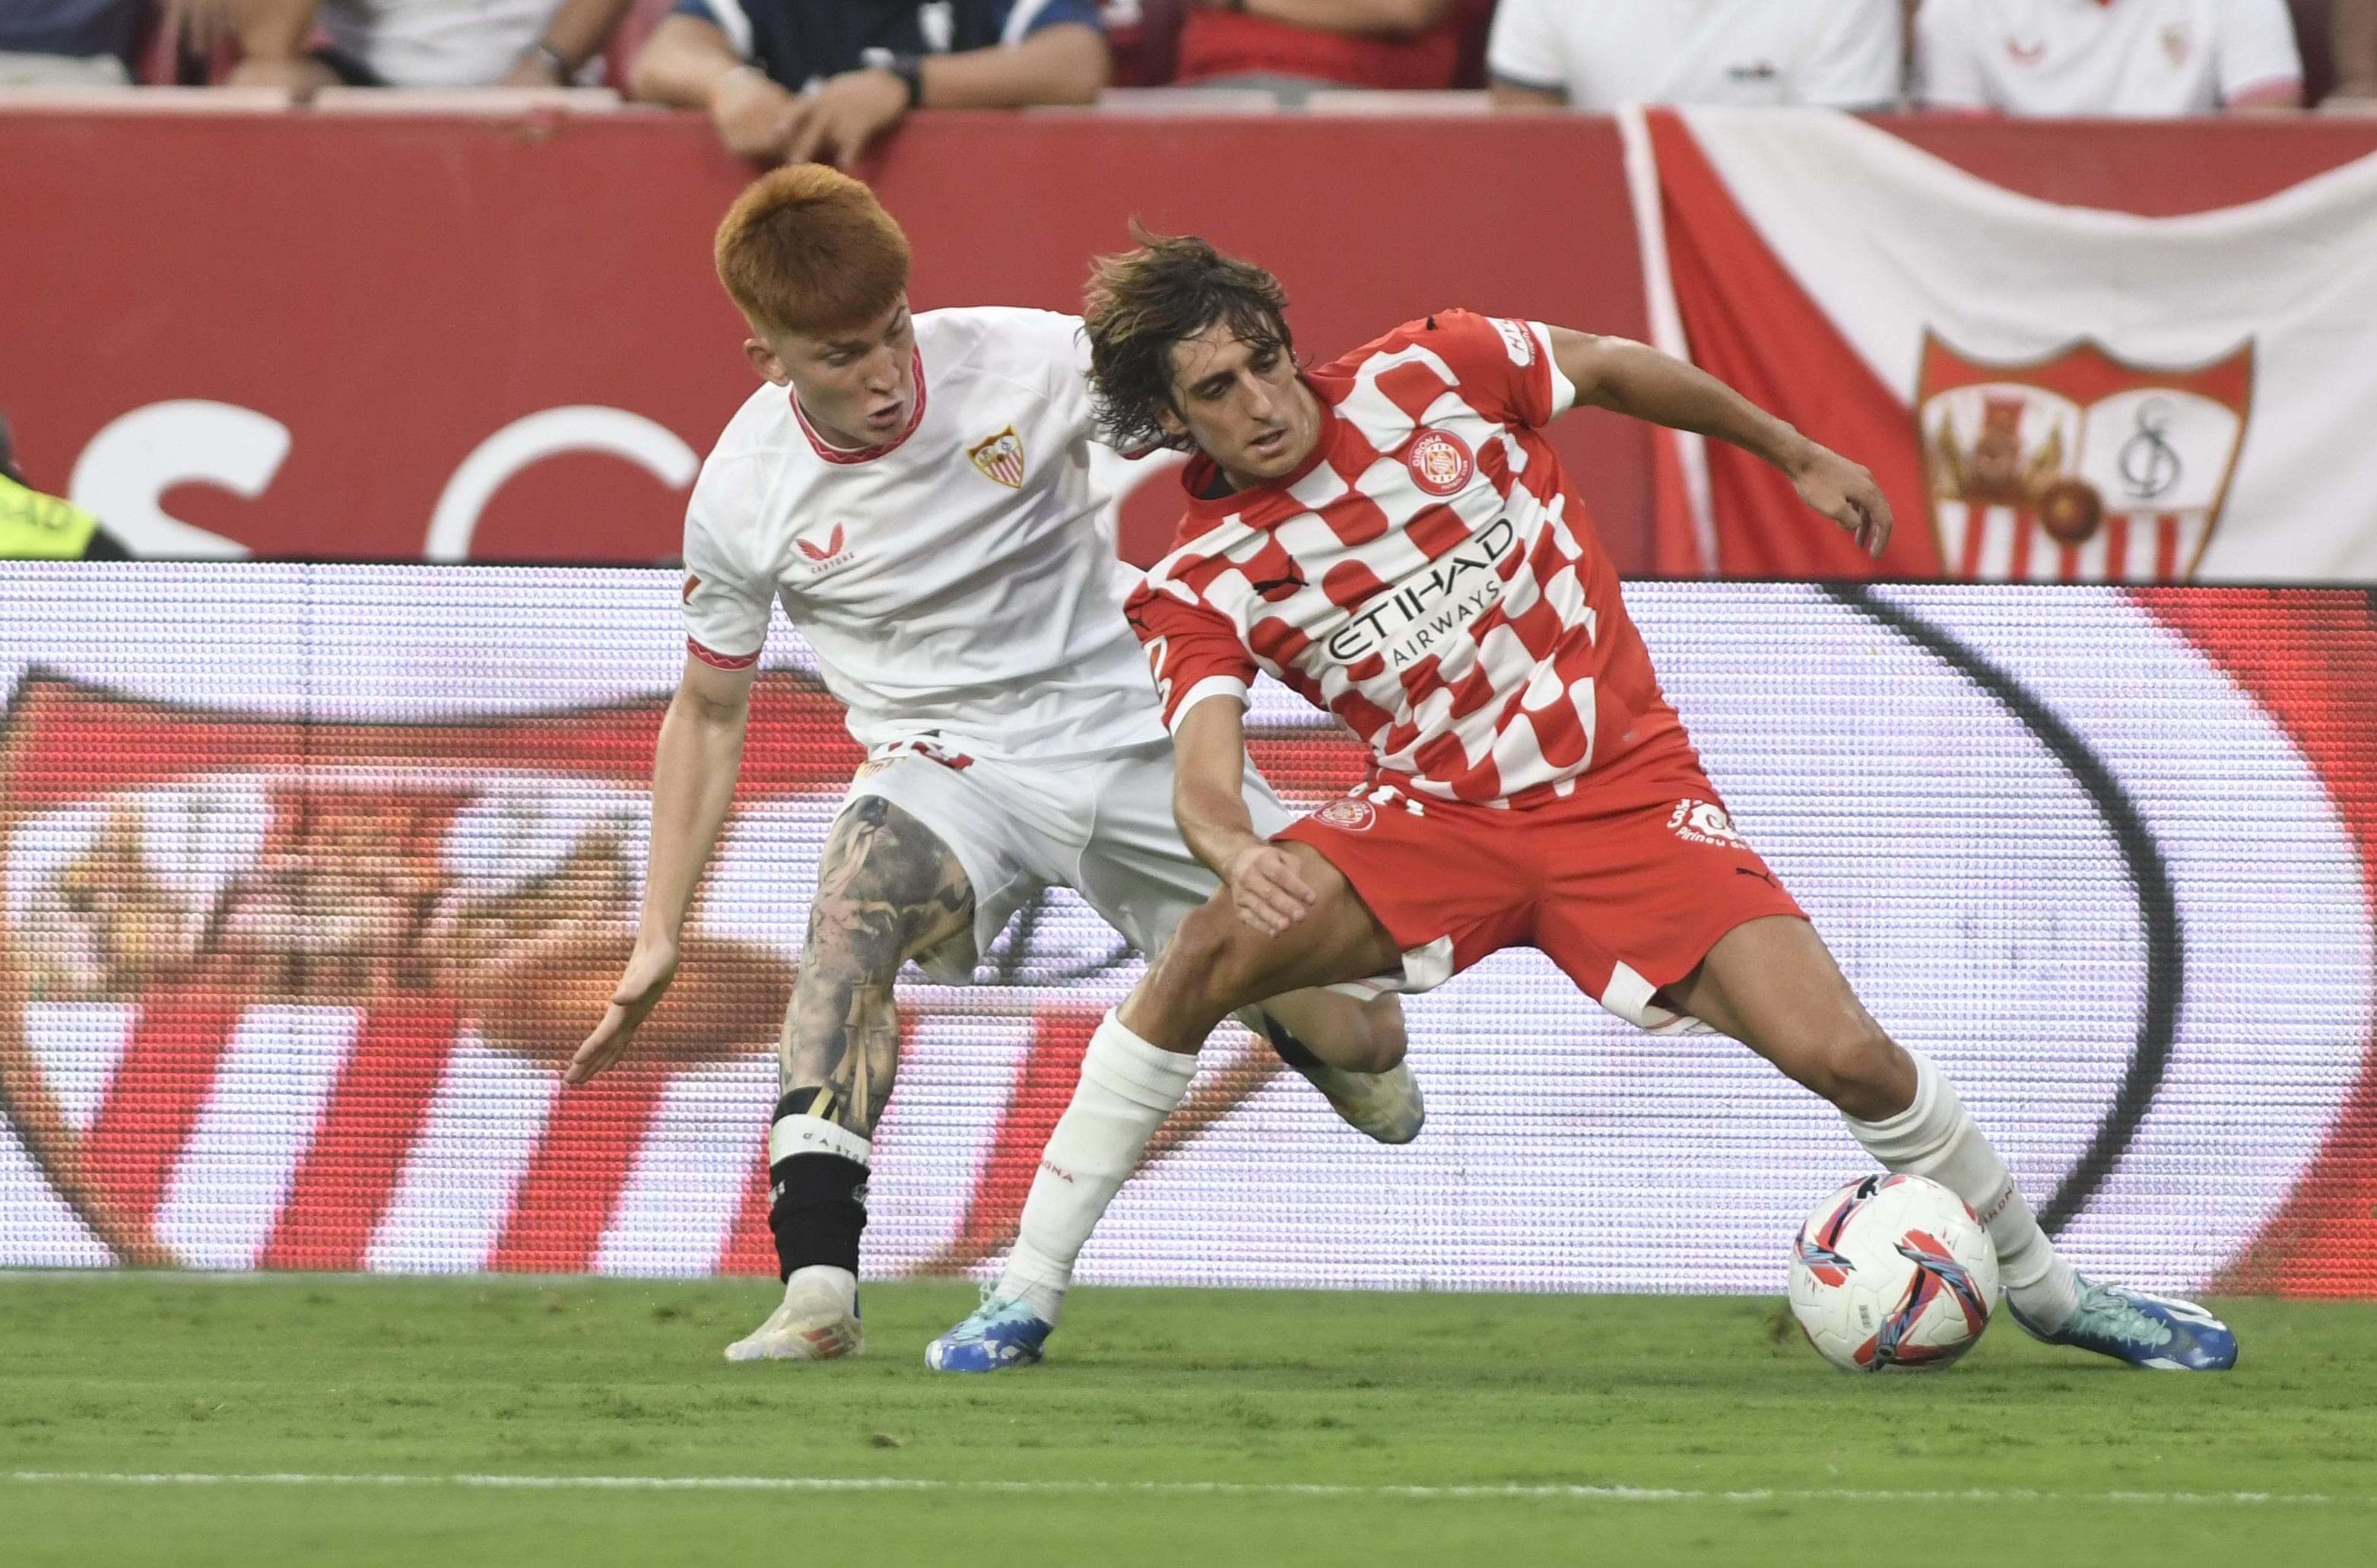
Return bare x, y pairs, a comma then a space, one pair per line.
1624, 899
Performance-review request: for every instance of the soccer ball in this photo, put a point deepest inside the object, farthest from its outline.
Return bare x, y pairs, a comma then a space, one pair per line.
1893, 1273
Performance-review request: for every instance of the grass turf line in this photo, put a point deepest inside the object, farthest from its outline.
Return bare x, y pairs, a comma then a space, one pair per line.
576, 1378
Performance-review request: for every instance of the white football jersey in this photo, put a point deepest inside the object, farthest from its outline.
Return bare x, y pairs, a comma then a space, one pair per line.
438, 42
957, 583
1844, 53
2123, 57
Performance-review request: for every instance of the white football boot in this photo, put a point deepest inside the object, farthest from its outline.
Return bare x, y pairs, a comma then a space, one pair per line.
816, 1322
1384, 1106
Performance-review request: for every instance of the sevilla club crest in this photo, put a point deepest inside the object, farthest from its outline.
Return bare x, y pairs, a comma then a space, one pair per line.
2078, 467
294, 935
283, 991
1000, 458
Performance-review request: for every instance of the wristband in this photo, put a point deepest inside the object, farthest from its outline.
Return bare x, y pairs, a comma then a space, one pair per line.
910, 69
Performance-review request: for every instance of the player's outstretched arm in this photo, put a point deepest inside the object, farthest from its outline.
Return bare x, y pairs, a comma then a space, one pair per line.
1209, 802
694, 766
1633, 379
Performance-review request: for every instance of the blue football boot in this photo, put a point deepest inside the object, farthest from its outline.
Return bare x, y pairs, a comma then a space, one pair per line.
1000, 1333
2153, 1332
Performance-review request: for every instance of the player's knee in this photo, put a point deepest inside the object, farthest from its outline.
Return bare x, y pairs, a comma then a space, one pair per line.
1209, 962
1864, 1073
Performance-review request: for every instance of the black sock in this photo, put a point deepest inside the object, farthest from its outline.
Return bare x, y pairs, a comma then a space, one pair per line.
818, 1201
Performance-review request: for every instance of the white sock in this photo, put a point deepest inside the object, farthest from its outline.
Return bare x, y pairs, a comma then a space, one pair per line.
840, 1281
1128, 1087
1937, 1138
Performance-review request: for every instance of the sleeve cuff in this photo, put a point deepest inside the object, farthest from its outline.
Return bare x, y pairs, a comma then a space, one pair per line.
1563, 390
1211, 685
1509, 78
2267, 90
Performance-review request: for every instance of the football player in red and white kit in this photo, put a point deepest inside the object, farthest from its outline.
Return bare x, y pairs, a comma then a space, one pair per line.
1390, 535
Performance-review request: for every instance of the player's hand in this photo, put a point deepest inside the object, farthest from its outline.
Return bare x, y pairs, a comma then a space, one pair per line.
1845, 492
1268, 891
847, 113
203, 23
260, 71
650, 969
755, 117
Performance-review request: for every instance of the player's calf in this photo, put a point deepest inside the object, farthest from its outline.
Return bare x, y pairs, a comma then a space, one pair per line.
1135, 1070
886, 889
1860, 1069
1326, 1029
1380, 1099
1770, 984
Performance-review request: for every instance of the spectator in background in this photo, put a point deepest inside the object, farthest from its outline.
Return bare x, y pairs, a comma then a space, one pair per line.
2353, 25
2109, 57
1142, 39
1292, 46
1549, 53
416, 43
67, 42
789, 81
34, 527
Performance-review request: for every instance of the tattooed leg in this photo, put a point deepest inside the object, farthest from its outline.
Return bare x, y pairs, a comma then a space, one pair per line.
888, 888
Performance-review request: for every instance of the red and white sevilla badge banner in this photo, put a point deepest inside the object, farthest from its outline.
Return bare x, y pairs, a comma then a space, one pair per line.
2046, 393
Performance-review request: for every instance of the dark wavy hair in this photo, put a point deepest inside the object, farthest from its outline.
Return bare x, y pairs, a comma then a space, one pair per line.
1145, 300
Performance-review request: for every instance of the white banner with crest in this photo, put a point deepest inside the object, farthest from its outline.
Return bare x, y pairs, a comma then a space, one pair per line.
2046, 392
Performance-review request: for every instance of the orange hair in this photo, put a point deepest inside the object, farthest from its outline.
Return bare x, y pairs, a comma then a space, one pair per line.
809, 250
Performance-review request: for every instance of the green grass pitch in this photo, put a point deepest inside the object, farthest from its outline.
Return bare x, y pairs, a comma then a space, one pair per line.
1275, 1427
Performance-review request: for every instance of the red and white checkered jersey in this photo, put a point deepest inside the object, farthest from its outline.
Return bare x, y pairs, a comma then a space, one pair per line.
1427, 575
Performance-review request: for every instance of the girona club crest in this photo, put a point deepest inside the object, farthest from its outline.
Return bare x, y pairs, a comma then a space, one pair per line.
2078, 467
1000, 458
1354, 816
1440, 464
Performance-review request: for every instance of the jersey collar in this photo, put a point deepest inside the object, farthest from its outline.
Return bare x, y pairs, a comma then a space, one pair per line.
832, 453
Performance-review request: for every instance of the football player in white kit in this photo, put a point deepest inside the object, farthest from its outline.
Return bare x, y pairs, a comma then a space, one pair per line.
916, 491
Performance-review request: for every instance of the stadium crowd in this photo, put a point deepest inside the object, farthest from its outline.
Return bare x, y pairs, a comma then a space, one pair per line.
790, 79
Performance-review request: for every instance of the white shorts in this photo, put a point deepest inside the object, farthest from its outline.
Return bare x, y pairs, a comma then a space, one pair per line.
1101, 826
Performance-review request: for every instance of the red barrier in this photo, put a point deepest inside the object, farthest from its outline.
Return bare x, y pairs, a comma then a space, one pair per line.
391, 294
